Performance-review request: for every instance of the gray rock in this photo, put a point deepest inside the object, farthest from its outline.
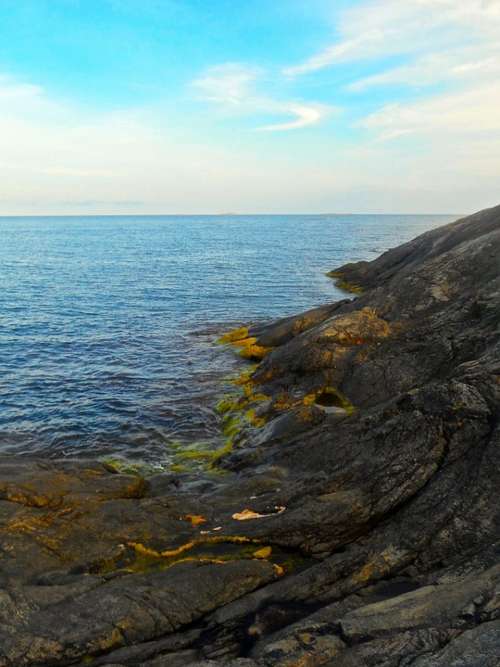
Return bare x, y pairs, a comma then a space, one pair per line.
479, 647
370, 536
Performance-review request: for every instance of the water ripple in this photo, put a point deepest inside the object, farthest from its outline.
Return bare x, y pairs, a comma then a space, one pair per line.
107, 325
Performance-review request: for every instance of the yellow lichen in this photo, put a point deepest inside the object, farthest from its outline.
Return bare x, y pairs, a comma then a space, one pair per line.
235, 409
191, 457
284, 402
124, 467
361, 327
195, 455
231, 426
172, 556
246, 515
254, 352
178, 468
234, 335
112, 640
222, 452
254, 420
29, 499
237, 402
195, 519
263, 553
30, 524
366, 573
306, 414
349, 287
229, 403
169, 553
245, 376
231, 539
256, 398
248, 345
380, 565
137, 557
309, 399
206, 458
343, 284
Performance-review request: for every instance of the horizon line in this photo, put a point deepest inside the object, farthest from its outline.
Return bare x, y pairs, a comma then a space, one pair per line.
211, 215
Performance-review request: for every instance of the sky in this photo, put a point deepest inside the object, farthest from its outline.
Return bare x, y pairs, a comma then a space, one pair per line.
249, 106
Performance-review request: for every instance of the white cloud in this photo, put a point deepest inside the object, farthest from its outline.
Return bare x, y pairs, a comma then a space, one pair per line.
11, 90
443, 154
230, 83
56, 159
469, 65
20, 99
448, 46
468, 112
305, 115
384, 27
232, 87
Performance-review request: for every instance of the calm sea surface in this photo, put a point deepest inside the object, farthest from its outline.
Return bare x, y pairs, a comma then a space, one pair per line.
107, 324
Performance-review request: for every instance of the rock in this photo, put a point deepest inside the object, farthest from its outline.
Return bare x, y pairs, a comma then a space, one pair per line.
479, 647
406, 258
180, 659
368, 481
123, 611
434, 606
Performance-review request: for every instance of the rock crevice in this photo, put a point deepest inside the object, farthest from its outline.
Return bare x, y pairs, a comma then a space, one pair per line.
357, 523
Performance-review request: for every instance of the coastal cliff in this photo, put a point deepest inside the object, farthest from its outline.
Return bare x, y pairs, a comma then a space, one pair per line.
353, 518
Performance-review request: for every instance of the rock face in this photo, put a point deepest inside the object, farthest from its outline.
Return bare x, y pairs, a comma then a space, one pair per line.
358, 521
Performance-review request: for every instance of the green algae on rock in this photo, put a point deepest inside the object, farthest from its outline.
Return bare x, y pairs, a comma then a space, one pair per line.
343, 284
245, 343
391, 528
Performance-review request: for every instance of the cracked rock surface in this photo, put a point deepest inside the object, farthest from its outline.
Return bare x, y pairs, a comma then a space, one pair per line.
365, 490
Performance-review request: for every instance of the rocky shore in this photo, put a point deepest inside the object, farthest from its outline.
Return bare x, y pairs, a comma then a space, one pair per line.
352, 518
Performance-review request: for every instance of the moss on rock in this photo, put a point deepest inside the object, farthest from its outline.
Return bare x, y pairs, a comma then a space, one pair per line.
343, 284
247, 345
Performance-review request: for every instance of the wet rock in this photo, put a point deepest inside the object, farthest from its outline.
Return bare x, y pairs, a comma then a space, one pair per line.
479, 647
433, 606
180, 659
357, 522
125, 611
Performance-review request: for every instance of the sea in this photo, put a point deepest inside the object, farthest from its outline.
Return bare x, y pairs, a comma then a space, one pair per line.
109, 325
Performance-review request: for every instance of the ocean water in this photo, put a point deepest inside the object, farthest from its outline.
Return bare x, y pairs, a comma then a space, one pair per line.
108, 324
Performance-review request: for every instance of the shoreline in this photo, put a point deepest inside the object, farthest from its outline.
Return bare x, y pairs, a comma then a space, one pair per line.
359, 524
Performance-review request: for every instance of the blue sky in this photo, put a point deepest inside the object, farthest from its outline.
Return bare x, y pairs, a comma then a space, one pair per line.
189, 106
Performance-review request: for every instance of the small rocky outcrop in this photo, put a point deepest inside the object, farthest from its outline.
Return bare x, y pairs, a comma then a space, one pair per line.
356, 523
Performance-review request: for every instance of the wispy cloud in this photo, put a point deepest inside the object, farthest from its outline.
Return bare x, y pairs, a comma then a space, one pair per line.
379, 28
233, 87
20, 98
14, 90
227, 84
468, 112
434, 145
466, 66
304, 116
450, 48
57, 158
